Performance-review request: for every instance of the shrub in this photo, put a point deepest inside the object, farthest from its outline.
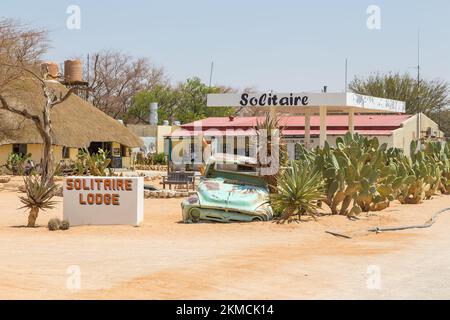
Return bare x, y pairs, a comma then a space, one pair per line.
298, 191
159, 158
54, 224
65, 225
39, 194
95, 164
16, 163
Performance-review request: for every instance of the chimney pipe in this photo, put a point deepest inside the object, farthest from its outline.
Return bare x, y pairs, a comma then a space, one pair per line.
153, 120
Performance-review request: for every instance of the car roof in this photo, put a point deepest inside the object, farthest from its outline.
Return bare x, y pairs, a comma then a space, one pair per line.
232, 159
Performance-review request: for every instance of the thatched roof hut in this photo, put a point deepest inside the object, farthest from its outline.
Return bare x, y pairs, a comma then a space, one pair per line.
76, 122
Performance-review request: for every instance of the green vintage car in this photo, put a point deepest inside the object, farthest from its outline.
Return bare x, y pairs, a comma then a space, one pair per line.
230, 190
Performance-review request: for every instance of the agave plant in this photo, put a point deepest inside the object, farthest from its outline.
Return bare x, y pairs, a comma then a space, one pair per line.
299, 191
39, 194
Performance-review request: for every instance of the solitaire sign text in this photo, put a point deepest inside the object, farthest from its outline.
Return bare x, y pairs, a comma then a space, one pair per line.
104, 200
103, 191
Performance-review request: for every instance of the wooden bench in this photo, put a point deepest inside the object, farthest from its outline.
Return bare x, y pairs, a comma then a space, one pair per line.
179, 178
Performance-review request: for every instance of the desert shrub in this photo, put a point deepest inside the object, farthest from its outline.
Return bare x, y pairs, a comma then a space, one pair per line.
16, 163
95, 164
39, 194
54, 224
298, 191
151, 158
65, 225
159, 158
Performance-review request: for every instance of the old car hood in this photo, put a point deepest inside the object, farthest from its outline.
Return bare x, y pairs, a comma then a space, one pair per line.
220, 193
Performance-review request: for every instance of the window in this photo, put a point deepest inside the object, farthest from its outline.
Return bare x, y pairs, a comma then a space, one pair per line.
20, 148
65, 152
124, 151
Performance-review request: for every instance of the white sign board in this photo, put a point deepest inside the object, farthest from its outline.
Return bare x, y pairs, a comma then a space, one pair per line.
103, 200
301, 100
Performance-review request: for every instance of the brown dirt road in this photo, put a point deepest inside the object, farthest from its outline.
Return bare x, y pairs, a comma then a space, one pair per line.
165, 259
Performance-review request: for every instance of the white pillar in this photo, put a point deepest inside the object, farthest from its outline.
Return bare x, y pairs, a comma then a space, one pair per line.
323, 125
307, 129
351, 121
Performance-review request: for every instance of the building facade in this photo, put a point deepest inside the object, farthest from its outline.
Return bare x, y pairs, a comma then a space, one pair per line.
237, 135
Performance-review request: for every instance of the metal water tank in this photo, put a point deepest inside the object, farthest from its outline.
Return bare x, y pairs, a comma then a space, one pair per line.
50, 68
73, 71
153, 120
165, 122
176, 123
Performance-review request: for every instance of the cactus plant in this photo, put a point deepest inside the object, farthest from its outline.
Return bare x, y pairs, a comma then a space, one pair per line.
357, 175
65, 225
54, 224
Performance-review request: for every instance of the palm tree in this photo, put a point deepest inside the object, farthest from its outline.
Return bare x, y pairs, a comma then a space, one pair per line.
39, 194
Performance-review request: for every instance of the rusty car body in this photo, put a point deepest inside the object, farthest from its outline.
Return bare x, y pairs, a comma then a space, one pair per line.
230, 190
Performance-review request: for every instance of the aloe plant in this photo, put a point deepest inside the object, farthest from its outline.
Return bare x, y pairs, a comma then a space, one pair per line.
39, 194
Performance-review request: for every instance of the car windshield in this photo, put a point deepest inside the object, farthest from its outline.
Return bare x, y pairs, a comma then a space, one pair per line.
236, 174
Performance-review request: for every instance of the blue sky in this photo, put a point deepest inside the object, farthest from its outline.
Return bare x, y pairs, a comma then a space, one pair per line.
270, 45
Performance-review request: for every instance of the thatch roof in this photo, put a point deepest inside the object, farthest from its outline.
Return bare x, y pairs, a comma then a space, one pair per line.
76, 122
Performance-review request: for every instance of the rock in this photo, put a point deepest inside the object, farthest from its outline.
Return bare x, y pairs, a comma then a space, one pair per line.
5, 179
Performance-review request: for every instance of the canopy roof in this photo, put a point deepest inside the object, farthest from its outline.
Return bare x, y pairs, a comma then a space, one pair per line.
307, 101
76, 122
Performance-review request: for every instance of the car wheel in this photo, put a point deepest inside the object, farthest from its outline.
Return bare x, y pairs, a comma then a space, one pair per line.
194, 214
256, 219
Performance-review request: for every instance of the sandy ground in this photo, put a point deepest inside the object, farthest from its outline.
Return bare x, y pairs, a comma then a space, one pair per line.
165, 259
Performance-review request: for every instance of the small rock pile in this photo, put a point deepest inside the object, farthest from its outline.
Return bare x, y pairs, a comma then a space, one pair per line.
5, 179
153, 167
167, 194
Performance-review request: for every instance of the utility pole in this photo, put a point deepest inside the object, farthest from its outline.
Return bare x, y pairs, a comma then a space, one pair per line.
418, 92
346, 75
211, 73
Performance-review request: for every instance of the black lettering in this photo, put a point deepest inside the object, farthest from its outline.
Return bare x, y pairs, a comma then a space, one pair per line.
305, 100
244, 99
275, 100
262, 99
284, 101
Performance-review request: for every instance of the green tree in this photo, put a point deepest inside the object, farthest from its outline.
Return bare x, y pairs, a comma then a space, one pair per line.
166, 97
184, 102
429, 97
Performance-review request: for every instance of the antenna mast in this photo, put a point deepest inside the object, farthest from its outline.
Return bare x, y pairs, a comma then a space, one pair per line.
418, 93
346, 75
